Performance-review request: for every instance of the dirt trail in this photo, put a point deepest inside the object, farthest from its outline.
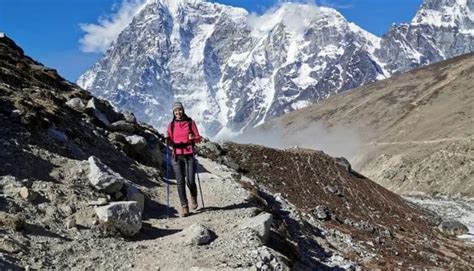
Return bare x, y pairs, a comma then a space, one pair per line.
225, 208
441, 140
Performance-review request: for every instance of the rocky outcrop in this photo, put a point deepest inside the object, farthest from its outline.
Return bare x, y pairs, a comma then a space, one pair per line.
453, 228
260, 224
125, 217
103, 178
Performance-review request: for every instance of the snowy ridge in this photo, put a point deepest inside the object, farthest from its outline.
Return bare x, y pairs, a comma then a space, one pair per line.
234, 70
447, 14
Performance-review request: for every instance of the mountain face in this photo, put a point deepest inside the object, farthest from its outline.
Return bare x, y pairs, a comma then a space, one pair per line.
440, 30
234, 71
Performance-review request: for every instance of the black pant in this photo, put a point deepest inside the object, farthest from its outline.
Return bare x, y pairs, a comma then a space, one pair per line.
183, 165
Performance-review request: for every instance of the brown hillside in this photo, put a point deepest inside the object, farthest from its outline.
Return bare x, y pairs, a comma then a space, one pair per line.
416, 129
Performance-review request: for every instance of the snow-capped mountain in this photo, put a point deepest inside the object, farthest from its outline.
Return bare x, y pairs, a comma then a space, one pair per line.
234, 70
440, 30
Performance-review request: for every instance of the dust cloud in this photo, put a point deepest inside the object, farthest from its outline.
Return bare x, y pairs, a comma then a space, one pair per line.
336, 141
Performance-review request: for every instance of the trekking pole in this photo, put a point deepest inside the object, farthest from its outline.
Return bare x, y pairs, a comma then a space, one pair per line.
167, 180
197, 174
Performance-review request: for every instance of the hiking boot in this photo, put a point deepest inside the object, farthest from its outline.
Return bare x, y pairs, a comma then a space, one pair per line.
184, 211
194, 203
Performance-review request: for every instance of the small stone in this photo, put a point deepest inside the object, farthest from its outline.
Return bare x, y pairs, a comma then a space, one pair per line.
322, 212
98, 202
70, 223
27, 194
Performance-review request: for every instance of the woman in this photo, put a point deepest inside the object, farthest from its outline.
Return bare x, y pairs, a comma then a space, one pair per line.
182, 134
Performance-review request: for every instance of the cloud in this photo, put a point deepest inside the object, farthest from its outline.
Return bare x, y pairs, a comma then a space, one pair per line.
336, 140
98, 37
296, 15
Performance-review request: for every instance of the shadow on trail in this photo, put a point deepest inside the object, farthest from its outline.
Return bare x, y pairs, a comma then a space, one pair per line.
225, 208
156, 210
148, 232
40, 231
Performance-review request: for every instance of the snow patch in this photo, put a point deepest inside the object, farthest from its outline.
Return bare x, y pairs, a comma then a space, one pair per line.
300, 104
296, 17
304, 78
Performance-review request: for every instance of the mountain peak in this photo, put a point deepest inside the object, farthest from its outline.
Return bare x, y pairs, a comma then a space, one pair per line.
295, 16
447, 14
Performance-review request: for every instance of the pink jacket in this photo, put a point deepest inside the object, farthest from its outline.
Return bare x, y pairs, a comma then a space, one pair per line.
179, 136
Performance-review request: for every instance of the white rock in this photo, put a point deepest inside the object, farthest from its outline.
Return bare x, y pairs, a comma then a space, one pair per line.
125, 216
197, 234
261, 224
104, 178
27, 194
138, 142
76, 104
98, 202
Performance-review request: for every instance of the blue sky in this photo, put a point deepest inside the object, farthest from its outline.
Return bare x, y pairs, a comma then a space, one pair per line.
50, 30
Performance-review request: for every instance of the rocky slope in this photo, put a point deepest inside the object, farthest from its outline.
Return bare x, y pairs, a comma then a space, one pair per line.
83, 188
415, 131
234, 71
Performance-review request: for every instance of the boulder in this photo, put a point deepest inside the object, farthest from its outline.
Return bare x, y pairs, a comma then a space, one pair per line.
260, 224
342, 161
137, 142
105, 108
210, 150
103, 178
129, 117
117, 138
76, 104
124, 216
197, 234
453, 228
122, 126
101, 117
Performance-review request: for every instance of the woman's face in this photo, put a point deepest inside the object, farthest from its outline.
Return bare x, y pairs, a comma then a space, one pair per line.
178, 113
